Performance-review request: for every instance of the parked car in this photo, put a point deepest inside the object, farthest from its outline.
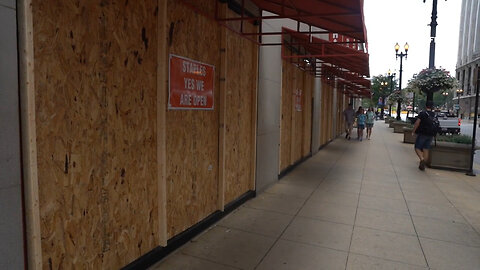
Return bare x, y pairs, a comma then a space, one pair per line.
449, 123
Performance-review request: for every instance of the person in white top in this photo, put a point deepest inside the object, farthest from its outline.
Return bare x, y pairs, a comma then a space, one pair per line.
369, 122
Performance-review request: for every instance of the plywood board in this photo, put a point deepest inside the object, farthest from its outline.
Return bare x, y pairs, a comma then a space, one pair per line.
95, 77
286, 115
326, 124
192, 136
297, 138
240, 82
296, 125
307, 114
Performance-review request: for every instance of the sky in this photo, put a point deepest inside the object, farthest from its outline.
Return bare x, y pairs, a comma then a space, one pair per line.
392, 21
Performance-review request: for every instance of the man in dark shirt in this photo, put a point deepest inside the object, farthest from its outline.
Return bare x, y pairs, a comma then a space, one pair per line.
423, 127
349, 115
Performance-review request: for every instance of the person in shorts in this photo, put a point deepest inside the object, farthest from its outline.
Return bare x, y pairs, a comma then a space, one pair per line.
349, 115
369, 122
361, 118
424, 130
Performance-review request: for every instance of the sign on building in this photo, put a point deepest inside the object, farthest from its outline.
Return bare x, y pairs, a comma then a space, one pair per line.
345, 41
298, 100
191, 84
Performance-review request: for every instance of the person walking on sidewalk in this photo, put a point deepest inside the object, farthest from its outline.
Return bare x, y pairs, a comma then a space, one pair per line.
425, 131
349, 115
369, 122
361, 118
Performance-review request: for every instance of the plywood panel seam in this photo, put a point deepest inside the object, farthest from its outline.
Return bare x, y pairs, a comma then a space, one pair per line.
29, 137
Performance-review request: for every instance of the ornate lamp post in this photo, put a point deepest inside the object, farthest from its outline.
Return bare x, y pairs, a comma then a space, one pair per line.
459, 93
433, 34
383, 85
445, 94
390, 76
401, 55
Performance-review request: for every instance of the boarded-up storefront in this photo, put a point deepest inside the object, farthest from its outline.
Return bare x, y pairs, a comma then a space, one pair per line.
296, 115
114, 171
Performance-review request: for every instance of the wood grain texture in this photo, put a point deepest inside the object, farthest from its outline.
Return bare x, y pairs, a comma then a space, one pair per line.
307, 114
95, 76
286, 115
240, 81
192, 136
296, 126
297, 136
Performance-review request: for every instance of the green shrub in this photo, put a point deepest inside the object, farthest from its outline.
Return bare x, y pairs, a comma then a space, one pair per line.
463, 139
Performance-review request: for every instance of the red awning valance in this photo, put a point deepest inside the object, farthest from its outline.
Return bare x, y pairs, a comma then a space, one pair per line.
328, 52
338, 16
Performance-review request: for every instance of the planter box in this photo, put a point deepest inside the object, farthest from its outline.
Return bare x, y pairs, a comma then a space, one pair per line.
398, 127
387, 120
452, 156
407, 135
390, 123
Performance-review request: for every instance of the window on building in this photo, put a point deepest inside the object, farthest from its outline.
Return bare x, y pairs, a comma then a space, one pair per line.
469, 85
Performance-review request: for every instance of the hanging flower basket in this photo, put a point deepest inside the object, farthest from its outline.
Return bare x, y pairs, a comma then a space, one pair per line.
433, 80
394, 96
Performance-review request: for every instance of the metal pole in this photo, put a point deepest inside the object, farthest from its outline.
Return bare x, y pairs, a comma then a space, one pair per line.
399, 104
391, 91
472, 151
458, 110
383, 106
413, 105
433, 34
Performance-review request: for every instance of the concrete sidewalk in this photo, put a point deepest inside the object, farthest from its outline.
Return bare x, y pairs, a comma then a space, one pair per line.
354, 205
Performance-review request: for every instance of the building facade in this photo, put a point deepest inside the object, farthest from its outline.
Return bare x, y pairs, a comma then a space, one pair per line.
468, 56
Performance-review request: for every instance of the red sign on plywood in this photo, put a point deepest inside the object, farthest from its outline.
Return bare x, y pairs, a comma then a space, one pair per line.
191, 84
298, 100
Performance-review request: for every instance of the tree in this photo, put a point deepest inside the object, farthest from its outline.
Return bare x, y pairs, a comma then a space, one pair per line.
381, 88
439, 100
431, 80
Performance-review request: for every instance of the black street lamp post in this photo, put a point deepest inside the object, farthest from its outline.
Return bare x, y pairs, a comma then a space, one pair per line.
433, 34
459, 92
401, 55
383, 85
390, 76
445, 94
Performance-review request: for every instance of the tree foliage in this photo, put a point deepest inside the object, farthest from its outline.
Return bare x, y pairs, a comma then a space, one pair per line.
381, 88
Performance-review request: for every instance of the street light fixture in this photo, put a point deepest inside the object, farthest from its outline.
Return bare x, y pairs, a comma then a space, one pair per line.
401, 55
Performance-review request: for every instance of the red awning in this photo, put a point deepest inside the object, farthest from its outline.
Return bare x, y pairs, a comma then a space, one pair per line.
338, 16
340, 56
360, 82
329, 60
